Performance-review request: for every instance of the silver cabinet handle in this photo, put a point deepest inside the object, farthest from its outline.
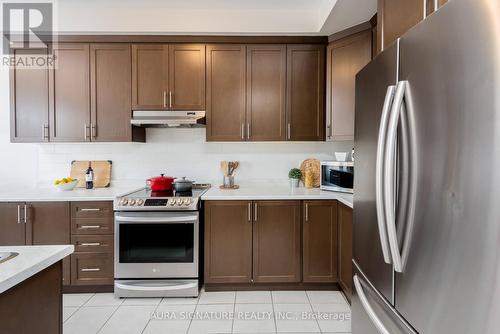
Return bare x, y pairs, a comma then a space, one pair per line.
170, 99
90, 269
289, 130
45, 132
379, 173
248, 131
389, 172
249, 212
164, 99
243, 131
90, 209
90, 244
368, 308
93, 131
255, 212
307, 211
86, 129
25, 213
90, 226
19, 214
329, 130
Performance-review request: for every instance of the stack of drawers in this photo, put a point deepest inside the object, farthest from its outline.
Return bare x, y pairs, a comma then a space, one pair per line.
92, 225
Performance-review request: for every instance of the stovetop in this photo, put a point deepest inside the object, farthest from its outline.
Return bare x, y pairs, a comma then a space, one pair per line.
147, 200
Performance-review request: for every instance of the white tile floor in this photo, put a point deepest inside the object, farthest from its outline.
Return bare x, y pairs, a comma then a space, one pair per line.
212, 312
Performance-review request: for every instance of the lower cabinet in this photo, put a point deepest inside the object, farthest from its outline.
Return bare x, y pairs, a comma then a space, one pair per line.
228, 242
276, 242
345, 248
12, 231
320, 242
91, 269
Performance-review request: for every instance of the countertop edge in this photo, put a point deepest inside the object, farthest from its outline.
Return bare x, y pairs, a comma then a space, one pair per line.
277, 198
35, 268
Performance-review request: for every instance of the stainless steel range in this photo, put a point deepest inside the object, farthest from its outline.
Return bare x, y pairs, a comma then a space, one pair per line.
157, 243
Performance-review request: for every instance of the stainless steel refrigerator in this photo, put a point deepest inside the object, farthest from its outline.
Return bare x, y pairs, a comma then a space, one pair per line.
427, 187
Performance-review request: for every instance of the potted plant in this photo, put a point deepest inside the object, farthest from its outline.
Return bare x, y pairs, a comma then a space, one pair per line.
294, 175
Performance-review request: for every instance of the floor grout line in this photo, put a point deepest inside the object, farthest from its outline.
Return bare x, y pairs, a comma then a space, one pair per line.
78, 307
149, 320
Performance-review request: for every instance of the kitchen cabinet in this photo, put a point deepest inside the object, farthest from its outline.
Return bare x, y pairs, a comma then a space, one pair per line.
110, 92
305, 92
266, 93
92, 226
345, 249
395, 17
320, 235
276, 242
168, 76
226, 78
228, 242
345, 58
29, 108
69, 87
12, 229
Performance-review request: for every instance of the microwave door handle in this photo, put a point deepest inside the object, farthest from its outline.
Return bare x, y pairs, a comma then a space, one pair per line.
379, 174
156, 219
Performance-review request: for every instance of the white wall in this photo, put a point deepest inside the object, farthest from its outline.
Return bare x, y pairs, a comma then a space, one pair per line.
176, 152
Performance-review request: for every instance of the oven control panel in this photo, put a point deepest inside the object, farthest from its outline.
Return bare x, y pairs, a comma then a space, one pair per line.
173, 203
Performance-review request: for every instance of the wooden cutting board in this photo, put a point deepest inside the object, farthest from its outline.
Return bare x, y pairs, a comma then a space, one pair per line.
314, 166
102, 172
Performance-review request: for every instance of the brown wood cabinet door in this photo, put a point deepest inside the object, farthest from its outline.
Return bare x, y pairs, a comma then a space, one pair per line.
345, 58
266, 92
110, 82
186, 82
226, 92
228, 242
48, 223
12, 228
70, 93
345, 248
149, 76
305, 92
29, 97
395, 17
320, 241
276, 241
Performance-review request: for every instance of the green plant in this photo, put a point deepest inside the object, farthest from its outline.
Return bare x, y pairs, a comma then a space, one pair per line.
295, 173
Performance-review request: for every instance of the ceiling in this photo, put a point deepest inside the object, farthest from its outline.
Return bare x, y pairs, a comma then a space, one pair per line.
279, 17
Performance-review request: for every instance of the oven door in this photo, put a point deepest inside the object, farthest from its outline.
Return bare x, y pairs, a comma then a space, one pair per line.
156, 244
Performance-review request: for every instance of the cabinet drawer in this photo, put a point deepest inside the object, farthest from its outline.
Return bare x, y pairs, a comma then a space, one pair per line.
91, 209
93, 243
92, 226
92, 269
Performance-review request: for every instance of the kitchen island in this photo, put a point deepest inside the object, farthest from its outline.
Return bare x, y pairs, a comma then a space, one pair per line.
31, 288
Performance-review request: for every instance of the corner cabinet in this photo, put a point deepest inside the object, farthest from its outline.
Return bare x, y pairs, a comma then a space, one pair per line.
345, 58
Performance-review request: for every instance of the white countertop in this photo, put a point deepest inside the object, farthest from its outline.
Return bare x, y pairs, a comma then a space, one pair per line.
274, 191
30, 261
47, 193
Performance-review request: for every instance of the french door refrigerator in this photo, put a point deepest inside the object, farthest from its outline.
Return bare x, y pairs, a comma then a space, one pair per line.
427, 187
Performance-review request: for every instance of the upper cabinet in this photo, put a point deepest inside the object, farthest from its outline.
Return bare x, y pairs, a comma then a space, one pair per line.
305, 92
70, 93
226, 92
395, 17
168, 76
29, 108
345, 58
270, 92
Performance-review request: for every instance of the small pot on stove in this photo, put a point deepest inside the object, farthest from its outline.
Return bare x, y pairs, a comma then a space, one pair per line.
183, 185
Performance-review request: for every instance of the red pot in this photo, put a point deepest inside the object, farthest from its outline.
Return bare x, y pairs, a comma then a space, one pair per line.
161, 183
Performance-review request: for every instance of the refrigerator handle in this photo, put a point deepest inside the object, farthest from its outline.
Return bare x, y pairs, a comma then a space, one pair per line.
379, 174
390, 172
368, 308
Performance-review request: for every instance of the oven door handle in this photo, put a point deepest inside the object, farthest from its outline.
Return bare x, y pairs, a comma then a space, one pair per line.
143, 219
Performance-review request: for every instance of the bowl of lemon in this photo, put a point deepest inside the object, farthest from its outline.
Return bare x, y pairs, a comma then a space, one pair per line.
65, 184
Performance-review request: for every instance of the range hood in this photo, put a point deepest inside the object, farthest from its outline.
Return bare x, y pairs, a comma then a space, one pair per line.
168, 118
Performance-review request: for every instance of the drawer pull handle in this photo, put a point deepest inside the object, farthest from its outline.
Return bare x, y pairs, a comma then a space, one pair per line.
90, 209
90, 244
91, 269
90, 226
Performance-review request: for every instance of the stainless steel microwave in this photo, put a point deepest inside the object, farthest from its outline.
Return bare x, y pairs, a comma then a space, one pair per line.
337, 176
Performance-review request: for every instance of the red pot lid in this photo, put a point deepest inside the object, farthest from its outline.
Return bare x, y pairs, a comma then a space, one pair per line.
162, 177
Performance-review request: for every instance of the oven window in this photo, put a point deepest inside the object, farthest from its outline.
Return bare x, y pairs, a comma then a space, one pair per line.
156, 243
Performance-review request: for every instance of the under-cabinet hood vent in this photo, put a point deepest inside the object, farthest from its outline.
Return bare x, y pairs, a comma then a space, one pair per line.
168, 118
